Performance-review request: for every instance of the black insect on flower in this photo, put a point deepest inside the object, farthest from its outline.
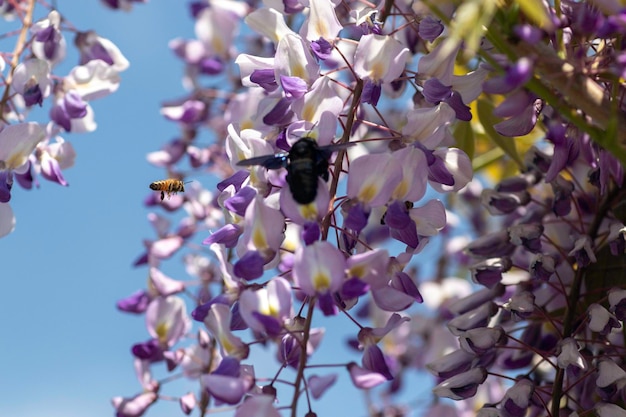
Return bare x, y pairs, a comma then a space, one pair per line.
305, 162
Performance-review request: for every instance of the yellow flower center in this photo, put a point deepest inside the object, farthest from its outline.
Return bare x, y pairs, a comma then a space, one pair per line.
368, 193
321, 281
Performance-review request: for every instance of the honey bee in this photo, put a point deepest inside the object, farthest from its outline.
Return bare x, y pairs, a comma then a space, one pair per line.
170, 186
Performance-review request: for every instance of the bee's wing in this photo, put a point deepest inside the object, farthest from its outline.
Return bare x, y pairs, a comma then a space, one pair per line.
268, 161
329, 149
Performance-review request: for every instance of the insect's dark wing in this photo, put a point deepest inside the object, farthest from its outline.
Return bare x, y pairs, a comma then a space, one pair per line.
267, 161
329, 149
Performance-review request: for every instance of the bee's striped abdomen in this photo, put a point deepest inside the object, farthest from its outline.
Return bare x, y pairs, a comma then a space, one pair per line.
170, 187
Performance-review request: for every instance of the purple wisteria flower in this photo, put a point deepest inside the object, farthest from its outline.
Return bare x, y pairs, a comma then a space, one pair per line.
479, 171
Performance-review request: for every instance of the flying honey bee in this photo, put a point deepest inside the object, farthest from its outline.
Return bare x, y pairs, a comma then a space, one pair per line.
170, 186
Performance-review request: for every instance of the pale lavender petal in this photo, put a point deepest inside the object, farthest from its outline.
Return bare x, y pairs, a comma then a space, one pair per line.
461, 386
188, 402
135, 406
363, 378
258, 406
165, 285
227, 389
319, 384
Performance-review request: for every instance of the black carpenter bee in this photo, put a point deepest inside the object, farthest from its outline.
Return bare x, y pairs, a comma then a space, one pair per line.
304, 162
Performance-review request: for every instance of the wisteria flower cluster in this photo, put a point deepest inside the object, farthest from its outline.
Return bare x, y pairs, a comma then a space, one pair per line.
347, 140
31, 147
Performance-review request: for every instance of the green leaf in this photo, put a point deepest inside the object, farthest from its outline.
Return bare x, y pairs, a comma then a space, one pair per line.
464, 136
536, 12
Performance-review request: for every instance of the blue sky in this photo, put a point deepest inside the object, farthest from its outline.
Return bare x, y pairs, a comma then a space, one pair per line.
65, 349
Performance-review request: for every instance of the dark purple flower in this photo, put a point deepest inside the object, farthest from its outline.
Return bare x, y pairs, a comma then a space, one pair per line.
518, 398
294, 87
51, 170
479, 341
272, 326
450, 364
357, 218
32, 95
228, 235
279, 115
371, 93
25, 179
521, 123
239, 202
74, 105
515, 76
435, 92
374, 360
563, 189
403, 282
195, 7
236, 179
326, 303
289, 351
6, 183
504, 202
461, 386
430, 28
527, 235
479, 317
310, 232
265, 78
149, 351
528, 33
478, 298
249, 266
617, 302
492, 245
354, 287
211, 66
542, 266
134, 303
292, 6
322, 48
201, 312
489, 272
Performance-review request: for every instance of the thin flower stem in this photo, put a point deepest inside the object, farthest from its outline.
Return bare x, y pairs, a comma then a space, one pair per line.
17, 52
303, 356
356, 100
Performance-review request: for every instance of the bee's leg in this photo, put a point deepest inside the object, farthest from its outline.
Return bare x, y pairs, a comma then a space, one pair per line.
162, 195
